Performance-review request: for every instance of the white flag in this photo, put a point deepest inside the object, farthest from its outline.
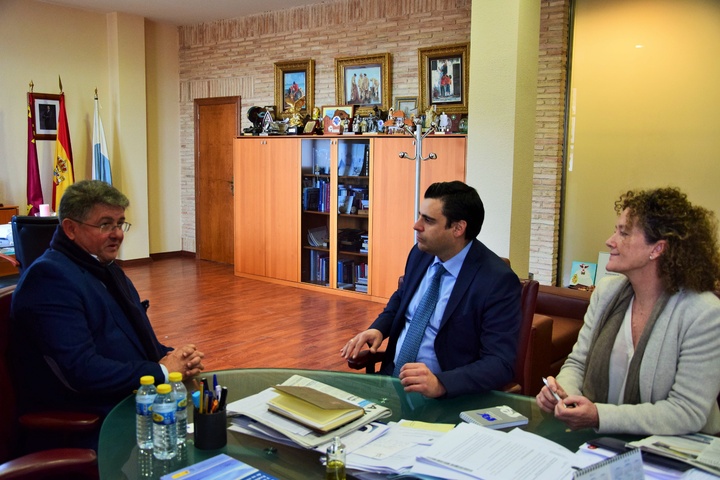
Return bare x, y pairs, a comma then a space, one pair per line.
101, 159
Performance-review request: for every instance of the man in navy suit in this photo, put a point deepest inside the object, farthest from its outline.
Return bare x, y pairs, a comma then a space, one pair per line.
81, 338
470, 342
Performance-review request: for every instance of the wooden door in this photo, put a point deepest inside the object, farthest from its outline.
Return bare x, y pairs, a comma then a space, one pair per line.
217, 123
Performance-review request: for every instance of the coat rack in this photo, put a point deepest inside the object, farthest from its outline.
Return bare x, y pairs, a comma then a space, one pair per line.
418, 158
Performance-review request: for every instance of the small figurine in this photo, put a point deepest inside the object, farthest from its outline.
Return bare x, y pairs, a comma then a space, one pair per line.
444, 122
430, 116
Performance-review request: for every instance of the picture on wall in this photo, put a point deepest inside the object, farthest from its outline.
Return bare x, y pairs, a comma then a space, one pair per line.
47, 110
444, 77
294, 86
364, 82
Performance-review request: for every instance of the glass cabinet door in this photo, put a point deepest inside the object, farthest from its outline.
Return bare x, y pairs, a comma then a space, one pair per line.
315, 216
353, 210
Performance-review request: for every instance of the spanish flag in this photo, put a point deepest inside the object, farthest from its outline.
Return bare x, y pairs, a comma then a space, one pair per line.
63, 175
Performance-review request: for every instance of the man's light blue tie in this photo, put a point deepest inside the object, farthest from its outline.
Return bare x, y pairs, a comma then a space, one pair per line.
423, 313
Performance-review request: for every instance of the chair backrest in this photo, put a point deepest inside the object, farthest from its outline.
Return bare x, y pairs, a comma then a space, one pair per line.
31, 236
523, 370
7, 398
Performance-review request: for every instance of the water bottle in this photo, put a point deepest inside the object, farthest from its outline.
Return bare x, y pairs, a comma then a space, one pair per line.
180, 393
335, 461
164, 425
143, 408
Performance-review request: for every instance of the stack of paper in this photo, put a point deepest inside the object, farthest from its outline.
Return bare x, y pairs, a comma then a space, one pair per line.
313, 408
700, 451
272, 425
473, 452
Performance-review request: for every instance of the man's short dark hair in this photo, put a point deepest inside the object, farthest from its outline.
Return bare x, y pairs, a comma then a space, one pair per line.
460, 202
79, 198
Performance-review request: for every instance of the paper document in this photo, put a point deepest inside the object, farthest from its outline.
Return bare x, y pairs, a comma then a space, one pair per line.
256, 408
483, 453
700, 451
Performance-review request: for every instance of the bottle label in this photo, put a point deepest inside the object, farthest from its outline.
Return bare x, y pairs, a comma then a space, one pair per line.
143, 408
163, 415
182, 403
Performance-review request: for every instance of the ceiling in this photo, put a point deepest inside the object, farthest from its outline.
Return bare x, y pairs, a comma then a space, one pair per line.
184, 12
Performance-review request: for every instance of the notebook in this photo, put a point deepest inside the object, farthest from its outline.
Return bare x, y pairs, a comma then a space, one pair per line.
494, 417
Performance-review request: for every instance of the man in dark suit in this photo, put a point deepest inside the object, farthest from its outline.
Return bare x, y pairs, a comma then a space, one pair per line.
469, 343
81, 338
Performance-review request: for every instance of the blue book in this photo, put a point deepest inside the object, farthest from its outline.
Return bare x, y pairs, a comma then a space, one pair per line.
221, 467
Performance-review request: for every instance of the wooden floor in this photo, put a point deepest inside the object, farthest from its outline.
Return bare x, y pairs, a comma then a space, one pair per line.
242, 323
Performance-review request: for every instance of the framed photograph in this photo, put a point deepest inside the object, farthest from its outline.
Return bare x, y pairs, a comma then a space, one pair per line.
444, 77
47, 111
294, 87
329, 110
408, 105
364, 81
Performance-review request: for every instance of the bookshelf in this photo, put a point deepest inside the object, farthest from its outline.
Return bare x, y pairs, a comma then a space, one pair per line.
305, 216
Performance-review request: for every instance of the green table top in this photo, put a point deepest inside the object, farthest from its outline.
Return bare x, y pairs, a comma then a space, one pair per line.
120, 458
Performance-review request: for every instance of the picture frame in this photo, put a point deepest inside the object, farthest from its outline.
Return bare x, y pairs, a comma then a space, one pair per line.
408, 105
329, 110
294, 80
47, 113
364, 81
444, 77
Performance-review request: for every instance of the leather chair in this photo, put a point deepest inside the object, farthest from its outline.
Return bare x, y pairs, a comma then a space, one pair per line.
559, 316
31, 237
522, 381
60, 426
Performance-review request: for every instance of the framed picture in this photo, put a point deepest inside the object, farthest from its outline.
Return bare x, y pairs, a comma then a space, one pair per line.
329, 110
294, 87
444, 77
364, 81
47, 111
408, 105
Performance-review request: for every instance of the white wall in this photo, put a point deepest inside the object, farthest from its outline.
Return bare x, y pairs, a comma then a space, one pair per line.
40, 41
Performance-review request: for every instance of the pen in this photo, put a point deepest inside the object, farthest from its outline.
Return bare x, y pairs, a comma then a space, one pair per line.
223, 398
554, 394
215, 382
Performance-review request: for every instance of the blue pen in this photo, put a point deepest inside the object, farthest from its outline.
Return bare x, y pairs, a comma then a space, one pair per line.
215, 382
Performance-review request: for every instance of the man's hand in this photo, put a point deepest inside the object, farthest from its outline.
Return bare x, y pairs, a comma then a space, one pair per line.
372, 338
417, 377
186, 360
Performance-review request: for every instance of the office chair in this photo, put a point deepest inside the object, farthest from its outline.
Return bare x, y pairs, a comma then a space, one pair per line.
52, 463
31, 237
522, 381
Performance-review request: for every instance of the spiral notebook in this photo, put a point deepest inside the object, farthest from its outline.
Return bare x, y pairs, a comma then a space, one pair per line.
626, 466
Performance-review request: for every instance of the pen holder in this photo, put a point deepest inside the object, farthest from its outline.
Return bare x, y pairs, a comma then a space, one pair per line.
210, 430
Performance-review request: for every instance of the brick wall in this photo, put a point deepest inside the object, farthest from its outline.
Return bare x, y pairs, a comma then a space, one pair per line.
236, 57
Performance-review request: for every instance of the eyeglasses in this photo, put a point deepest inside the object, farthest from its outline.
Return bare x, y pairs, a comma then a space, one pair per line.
107, 227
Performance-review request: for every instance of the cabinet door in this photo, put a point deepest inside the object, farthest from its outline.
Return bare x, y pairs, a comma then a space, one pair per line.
249, 174
266, 205
281, 209
393, 192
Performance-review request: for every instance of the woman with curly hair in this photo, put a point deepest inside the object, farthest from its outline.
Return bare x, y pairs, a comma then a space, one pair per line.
647, 359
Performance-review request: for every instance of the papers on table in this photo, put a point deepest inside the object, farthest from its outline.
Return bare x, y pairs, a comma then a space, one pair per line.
272, 425
700, 451
473, 452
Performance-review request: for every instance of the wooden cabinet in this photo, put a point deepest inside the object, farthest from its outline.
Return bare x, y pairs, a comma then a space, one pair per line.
7, 212
393, 192
267, 204
286, 187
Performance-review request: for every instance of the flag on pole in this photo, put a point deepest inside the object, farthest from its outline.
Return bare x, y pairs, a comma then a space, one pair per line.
63, 175
34, 187
101, 159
